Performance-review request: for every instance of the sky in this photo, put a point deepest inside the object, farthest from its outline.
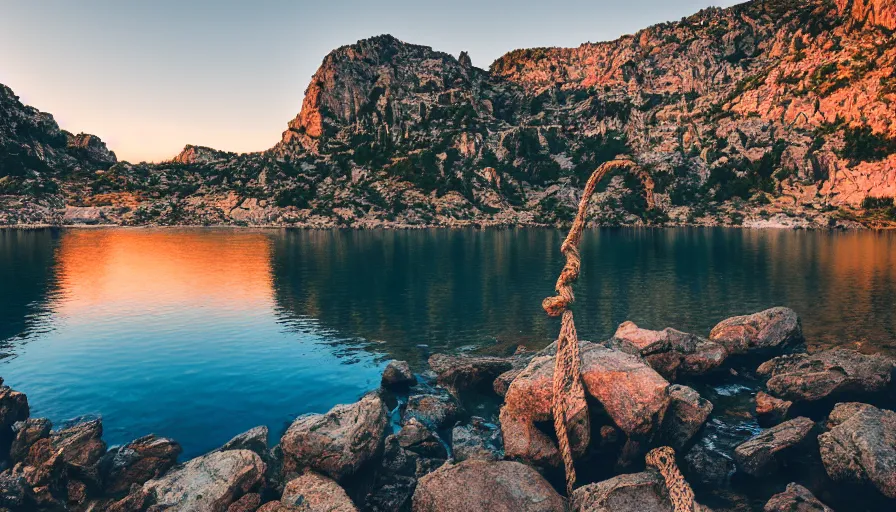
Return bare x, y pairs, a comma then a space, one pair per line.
151, 77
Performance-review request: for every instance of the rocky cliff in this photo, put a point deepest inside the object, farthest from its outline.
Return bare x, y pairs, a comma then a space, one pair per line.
769, 113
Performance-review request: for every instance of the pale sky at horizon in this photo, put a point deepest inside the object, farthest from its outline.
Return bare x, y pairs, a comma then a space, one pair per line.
151, 77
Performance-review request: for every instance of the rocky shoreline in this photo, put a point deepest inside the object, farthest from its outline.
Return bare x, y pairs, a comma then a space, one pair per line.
755, 421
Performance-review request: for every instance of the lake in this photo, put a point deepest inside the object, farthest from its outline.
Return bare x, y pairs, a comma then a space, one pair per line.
200, 334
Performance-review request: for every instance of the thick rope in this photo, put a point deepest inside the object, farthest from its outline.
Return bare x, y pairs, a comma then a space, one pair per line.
567, 385
680, 493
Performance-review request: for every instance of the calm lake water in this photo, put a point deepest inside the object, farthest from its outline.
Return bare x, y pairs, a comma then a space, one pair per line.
200, 334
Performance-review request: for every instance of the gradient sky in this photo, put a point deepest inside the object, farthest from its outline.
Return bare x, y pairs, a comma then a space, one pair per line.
150, 77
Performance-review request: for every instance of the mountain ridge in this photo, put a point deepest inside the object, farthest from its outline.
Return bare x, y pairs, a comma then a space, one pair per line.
768, 113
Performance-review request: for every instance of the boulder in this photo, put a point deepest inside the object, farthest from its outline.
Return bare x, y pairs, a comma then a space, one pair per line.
758, 454
15, 494
210, 483
773, 329
502, 382
254, 440
43, 466
479, 440
636, 492
708, 466
528, 401
436, 411
805, 377
524, 441
458, 373
248, 503
861, 446
398, 374
136, 462
26, 433
407, 456
687, 413
81, 447
770, 410
13, 407
336, 443
417, 438
83, 215
311, 492
795, 498
632, 393
502, 486
670, 352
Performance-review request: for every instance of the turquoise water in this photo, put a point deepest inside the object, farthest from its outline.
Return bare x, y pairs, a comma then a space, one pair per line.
200, 334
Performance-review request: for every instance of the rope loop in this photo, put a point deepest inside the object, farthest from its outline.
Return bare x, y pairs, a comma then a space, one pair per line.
567, 385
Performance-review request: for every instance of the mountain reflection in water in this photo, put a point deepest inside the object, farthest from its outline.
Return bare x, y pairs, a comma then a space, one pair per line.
199, 334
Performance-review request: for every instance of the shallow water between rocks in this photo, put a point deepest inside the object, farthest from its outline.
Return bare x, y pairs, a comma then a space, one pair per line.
200, 334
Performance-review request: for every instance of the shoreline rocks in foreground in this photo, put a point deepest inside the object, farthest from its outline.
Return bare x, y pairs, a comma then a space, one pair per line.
644, 388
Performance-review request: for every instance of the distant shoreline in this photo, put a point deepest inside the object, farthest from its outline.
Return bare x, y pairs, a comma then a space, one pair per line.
272, 227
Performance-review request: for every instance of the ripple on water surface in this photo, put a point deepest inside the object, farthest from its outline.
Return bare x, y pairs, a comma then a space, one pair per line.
199, 334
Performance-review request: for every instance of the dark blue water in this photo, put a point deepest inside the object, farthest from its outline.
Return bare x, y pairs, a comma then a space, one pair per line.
201, 334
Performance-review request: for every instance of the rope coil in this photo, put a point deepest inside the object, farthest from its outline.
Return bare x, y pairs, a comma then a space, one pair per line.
567, 384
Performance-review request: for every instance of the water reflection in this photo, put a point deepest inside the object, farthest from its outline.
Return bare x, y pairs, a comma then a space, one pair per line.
199, 334
26, 282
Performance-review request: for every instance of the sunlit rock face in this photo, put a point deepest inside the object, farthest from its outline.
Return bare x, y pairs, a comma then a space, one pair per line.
876, 12
766, 114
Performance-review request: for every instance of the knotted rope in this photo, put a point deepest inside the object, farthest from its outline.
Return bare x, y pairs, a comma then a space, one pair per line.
567, 385
680, 493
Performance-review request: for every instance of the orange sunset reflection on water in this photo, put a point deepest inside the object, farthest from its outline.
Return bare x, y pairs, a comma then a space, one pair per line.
163, 268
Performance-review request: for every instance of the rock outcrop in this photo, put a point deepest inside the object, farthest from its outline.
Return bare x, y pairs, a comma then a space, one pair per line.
254, 440
875, 12
634, 395
502, 486
771, 410
861, 446
316, 493
462, 372
670, 352
337, 443
687, 413
772, 329
758, 455
209, 483
136, 462
636, 492
26, 433
437, 410
397, 374
479, 440
764, 114
805, 377
795, 498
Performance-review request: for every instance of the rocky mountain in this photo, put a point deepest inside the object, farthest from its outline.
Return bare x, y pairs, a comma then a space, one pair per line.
769, 113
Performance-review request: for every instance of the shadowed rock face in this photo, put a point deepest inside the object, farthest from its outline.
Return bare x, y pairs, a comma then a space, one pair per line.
642, 492
136, 462
757, 455
742, 115
861, 446
795, 498
502, 486
686, 415
671, 352
813, 377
